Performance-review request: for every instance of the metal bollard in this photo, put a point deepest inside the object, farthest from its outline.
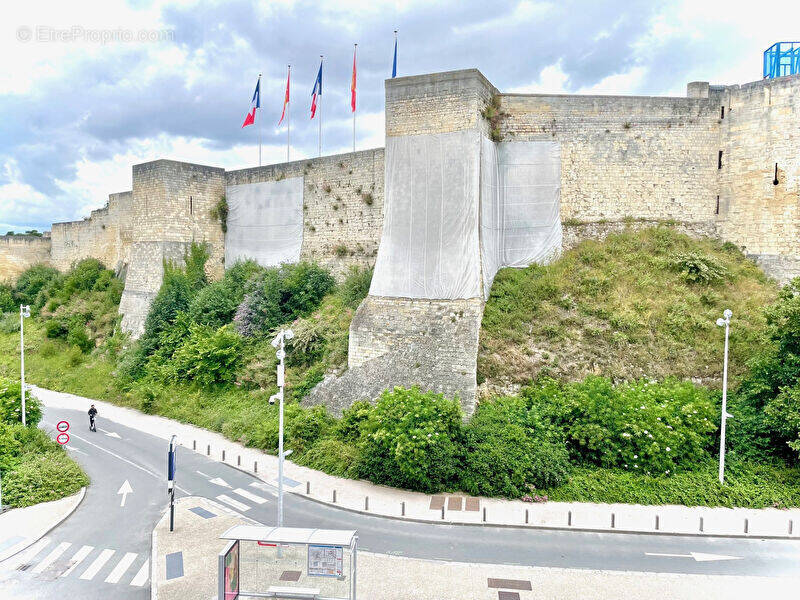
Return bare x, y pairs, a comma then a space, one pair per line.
308, 488
526, 516
255, 467
657, 523
239, 461
443, 513
484, 514
194, 444
223, 456
403, 514
569, 518
613, 516
701, 524
366, 502
334, 496
790, 526
746, 525
208, 450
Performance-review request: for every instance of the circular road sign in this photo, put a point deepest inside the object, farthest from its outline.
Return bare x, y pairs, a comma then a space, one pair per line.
62, 426
62, 438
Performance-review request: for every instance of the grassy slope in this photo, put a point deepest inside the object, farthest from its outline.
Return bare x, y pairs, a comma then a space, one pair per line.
620, 308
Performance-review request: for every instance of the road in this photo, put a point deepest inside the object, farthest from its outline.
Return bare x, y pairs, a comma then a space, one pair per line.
113, 540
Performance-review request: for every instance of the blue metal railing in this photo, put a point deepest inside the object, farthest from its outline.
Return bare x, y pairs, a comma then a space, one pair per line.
781, 59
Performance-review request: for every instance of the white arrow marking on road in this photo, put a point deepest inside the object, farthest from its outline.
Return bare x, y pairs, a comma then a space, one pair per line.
697, 556
125, 489
110, 433
220, 481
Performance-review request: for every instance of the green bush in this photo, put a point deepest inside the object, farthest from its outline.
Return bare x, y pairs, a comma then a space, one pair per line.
641, 426
215, 304
77, 336
355, 286
411, 439
83, 277
7, 302
508, 451
9, 322
307, 427
333, 456
32, 281
11, 404
10, 446
698, 268
42, 478
56, 329
208, 356
173, 297
194, 261
351, 425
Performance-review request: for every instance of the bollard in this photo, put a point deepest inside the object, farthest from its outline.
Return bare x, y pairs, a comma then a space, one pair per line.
334, 496
208, 450
308, 488
255, 467
526, 516
484, 514
701, 524
239, 461
746, 525
790, 527
569, 518
657, 523
612, 520
403, 514
443, 513
194, 444
223, 456
366, 502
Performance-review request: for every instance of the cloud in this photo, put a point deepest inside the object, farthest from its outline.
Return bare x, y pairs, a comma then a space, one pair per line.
77, 114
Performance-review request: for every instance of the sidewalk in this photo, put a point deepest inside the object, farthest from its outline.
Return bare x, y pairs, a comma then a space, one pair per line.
362, 496
21, 527
185, 566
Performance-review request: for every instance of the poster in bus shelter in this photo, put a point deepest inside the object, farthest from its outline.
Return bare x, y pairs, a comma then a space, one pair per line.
325, 561
232, 573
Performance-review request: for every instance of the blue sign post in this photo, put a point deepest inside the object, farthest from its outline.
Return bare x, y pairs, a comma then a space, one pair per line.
171, 469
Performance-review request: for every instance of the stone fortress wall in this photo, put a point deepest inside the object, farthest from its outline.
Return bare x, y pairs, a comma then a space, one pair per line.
706, 161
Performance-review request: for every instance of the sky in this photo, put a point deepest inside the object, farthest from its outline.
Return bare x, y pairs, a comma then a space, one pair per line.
87, 93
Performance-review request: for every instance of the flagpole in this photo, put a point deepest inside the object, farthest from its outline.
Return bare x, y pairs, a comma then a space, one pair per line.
289, 112
321, 58
355, 46
394, 59
259, 120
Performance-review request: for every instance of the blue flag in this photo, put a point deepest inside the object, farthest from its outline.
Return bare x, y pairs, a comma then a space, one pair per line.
317, 91
394, 62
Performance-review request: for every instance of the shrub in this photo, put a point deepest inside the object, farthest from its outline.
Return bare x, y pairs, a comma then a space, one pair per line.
48, 350
698, 268
220, 211
11, 404
307, 427
7, 303
304, 286
411, 439
259, 367
32, 281
355, 286
10, 446
215, 304
508, 451
641, 426
173, 297
208, 356
332, 456
42, 478
77, 336
83, 277
74, 356
194, 261
55, 329
351, 424
9, 322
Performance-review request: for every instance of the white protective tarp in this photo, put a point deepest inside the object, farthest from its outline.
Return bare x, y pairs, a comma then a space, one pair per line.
429, 247
520, 204
265, 222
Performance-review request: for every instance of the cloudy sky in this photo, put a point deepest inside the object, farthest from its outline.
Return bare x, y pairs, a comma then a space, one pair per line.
80, 101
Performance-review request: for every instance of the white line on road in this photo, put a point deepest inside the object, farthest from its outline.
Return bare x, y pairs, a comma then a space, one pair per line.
121, 567
220, 482
141, 577
250, 496
203, 474
52, 557
110, 433
264, 488
78, 559
98, 563
234, 503
74, 449
124, 489
697, 556
28, 554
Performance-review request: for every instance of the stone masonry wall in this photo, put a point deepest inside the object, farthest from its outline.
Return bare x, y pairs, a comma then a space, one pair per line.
18, 252
342, 205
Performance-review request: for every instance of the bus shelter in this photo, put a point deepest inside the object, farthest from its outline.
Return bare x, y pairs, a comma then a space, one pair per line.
288, 562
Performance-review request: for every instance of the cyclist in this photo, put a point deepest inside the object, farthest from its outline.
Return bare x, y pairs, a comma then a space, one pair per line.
92, 415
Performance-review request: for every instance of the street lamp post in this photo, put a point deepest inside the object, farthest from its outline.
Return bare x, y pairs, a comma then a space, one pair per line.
724, 321
24, 311
279, 343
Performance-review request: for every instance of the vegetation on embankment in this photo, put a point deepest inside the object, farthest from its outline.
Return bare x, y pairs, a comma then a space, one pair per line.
638, 304
205, 358
33, 467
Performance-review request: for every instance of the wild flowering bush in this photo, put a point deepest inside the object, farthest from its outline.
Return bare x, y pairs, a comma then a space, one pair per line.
654, 428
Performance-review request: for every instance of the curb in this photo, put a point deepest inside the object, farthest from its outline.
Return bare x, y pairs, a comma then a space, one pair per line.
82, 492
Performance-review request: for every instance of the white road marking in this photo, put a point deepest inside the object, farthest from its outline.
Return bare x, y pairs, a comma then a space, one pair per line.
221, 482
110, 433
203, 474
250, 496
125, 489
52, 557
78, 559
28, 554
74, 449
697, 556
141, 577
98, 563
234, 503
121, 567
264, 488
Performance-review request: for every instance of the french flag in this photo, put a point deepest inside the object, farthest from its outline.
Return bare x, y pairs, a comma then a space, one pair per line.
317, 91
254, 104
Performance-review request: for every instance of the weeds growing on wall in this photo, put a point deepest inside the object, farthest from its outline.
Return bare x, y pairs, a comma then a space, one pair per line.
220, 212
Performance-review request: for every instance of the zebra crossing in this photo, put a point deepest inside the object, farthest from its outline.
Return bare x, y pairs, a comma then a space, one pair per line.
50, 559
241, 499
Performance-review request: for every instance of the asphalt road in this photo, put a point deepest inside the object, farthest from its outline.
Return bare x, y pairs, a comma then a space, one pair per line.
104, 525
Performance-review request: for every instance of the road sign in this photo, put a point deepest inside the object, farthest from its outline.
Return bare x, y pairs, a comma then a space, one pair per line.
62, 438
62, 426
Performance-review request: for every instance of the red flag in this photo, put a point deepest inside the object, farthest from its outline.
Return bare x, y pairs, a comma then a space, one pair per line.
286, 98
353, 84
